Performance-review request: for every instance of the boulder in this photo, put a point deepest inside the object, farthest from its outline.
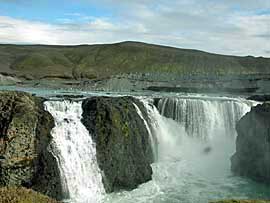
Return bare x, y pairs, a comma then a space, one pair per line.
252, 157
123, 145
24, 137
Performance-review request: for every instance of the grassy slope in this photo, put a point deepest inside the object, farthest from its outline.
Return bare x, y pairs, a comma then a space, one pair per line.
90, 61
22, 195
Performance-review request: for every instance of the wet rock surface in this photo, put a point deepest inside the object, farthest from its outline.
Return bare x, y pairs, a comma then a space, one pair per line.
260, 98
122, 142
24, 137
252, 157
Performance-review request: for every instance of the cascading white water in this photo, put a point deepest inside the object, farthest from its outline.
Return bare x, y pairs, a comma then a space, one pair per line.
151, 136
202, 118
185, 171
76, 153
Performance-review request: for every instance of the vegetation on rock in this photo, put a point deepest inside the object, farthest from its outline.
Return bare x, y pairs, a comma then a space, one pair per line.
24, 137
22, 195
124, 151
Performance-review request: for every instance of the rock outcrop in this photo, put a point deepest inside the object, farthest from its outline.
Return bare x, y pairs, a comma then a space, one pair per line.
252, 157
24, 136
123, 146
260, 98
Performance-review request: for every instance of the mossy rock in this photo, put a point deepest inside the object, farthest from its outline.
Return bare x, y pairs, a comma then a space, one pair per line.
22, 195
123, 145
24, 137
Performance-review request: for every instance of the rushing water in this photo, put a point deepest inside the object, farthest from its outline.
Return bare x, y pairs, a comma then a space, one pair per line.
201, 118
193, 138
76, 153
194, 153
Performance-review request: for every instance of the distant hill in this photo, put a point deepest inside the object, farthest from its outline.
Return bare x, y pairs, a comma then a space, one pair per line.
101, 61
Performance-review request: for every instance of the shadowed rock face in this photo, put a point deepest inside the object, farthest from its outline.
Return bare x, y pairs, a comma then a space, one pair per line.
252, 157
123, 150
261, 98
24, 136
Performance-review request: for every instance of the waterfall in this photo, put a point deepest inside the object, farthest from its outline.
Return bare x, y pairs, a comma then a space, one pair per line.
204, 117
76, 153
182, 124
151, 136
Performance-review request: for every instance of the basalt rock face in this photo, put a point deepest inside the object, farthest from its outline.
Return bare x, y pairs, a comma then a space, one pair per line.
260, 98
24, 137
122, 142
252, 157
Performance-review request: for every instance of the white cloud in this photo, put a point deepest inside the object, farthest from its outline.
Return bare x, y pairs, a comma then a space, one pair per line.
226, 27
21, 31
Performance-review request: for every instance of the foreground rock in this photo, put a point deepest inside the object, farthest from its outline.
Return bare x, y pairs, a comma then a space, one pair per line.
22, 195
252, 157
241, 201
123, 150
24, 137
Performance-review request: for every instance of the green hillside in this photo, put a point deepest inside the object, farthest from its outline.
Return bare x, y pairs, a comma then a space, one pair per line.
100, 61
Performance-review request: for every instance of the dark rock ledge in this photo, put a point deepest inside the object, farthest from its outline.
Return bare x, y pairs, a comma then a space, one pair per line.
123, 150
252, 157
24, 136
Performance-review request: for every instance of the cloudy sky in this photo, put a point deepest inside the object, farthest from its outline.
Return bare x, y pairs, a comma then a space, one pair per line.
238, 27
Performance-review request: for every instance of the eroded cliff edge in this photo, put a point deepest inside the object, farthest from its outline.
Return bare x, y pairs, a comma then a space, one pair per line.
24, 137
124, 153
252, 157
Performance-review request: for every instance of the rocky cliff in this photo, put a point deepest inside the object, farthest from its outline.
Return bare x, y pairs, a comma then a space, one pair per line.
24, 137
122, 142
252, 157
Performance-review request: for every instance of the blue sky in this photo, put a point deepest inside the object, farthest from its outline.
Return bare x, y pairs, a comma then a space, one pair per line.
238, 27
52, 10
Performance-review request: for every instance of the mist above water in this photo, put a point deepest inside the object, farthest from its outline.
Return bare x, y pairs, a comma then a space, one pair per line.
193, 165
193, 140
